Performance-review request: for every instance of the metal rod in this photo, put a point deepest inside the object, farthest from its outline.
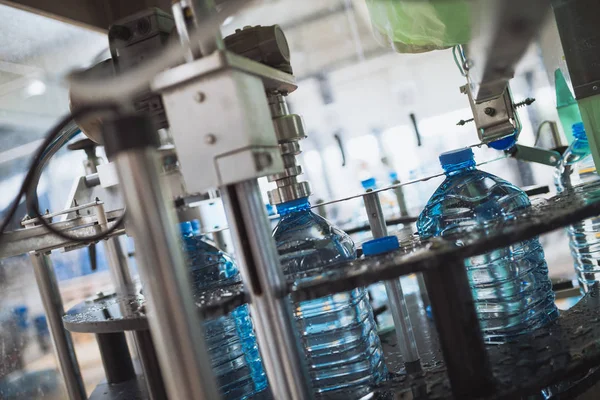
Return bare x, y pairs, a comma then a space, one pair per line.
116, 359
261, 270
404, 330
150, 365
458, 329
144, 347
63, 343
173, 316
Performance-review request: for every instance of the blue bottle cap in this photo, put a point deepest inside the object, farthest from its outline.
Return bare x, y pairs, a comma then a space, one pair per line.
195, 226
393, 176
456, 156
186, 228
579, 130
370, 183
504, 143
379, 246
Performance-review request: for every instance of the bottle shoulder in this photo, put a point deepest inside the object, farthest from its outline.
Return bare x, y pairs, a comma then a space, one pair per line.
307, 241
467, 199
210, 266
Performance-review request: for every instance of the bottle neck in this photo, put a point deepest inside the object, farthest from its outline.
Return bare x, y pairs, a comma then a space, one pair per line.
293, 206
458, 168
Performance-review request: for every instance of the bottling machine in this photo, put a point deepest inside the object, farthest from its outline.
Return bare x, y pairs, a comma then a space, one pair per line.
219, 106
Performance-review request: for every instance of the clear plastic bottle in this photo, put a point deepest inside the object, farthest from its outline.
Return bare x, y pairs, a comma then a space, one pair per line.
577, 169
230, 339
510, 286
338, 332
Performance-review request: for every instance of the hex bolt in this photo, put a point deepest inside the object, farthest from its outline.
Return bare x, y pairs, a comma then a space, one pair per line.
489, 111
210, 139
200, 97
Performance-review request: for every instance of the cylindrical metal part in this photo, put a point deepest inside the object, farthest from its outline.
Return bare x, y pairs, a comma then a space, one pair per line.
393, 288
119, 267
263, 277
458, 329
173, 316
63, 343
115, 357
193, 12
150, 365
399, 192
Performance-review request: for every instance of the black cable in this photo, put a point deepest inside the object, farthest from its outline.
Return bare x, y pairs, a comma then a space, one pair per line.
28, 183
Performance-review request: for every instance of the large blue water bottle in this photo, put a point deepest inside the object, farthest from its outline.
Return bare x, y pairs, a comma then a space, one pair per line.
577, 170
230, 339
510, 286
338, 332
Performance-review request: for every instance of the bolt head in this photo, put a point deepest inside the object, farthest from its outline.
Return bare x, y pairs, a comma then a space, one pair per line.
210, 139
489, 111
200, 97
263, 160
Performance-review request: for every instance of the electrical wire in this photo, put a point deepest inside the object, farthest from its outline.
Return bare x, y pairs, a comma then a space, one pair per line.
123, 87
29, 185
462, 62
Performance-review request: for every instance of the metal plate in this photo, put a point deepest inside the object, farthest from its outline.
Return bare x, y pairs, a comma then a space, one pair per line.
130, 390
128, 313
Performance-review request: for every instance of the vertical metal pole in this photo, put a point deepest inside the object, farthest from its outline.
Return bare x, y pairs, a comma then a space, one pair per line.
404, 330
259, 264
144, 346
173, 316
63, 343
150, 365
458, 329
116, 359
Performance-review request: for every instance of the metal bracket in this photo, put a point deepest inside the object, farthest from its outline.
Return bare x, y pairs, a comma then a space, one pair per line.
495, 118
535, 154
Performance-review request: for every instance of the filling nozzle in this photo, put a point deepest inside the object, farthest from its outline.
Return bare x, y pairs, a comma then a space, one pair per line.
289, 129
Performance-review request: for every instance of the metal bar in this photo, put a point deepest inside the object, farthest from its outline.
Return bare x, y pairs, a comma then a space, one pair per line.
458, 329
261, 271
116, 359
502, 31
39, 238
63, 343
404, 331
91, 14
174, 320
150, 365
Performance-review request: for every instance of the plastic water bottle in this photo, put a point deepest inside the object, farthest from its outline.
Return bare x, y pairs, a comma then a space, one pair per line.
230, 339
510, 286
577, 169
338, 332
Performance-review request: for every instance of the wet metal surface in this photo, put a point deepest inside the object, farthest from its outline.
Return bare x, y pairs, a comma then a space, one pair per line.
114, 313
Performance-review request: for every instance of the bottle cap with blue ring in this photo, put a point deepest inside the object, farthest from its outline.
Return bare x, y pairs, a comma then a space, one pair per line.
381, 245
457, 156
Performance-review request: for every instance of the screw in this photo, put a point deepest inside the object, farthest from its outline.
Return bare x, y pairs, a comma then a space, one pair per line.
463, 121
200, 97
489, 111
263, 160
527, 102
210, 139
